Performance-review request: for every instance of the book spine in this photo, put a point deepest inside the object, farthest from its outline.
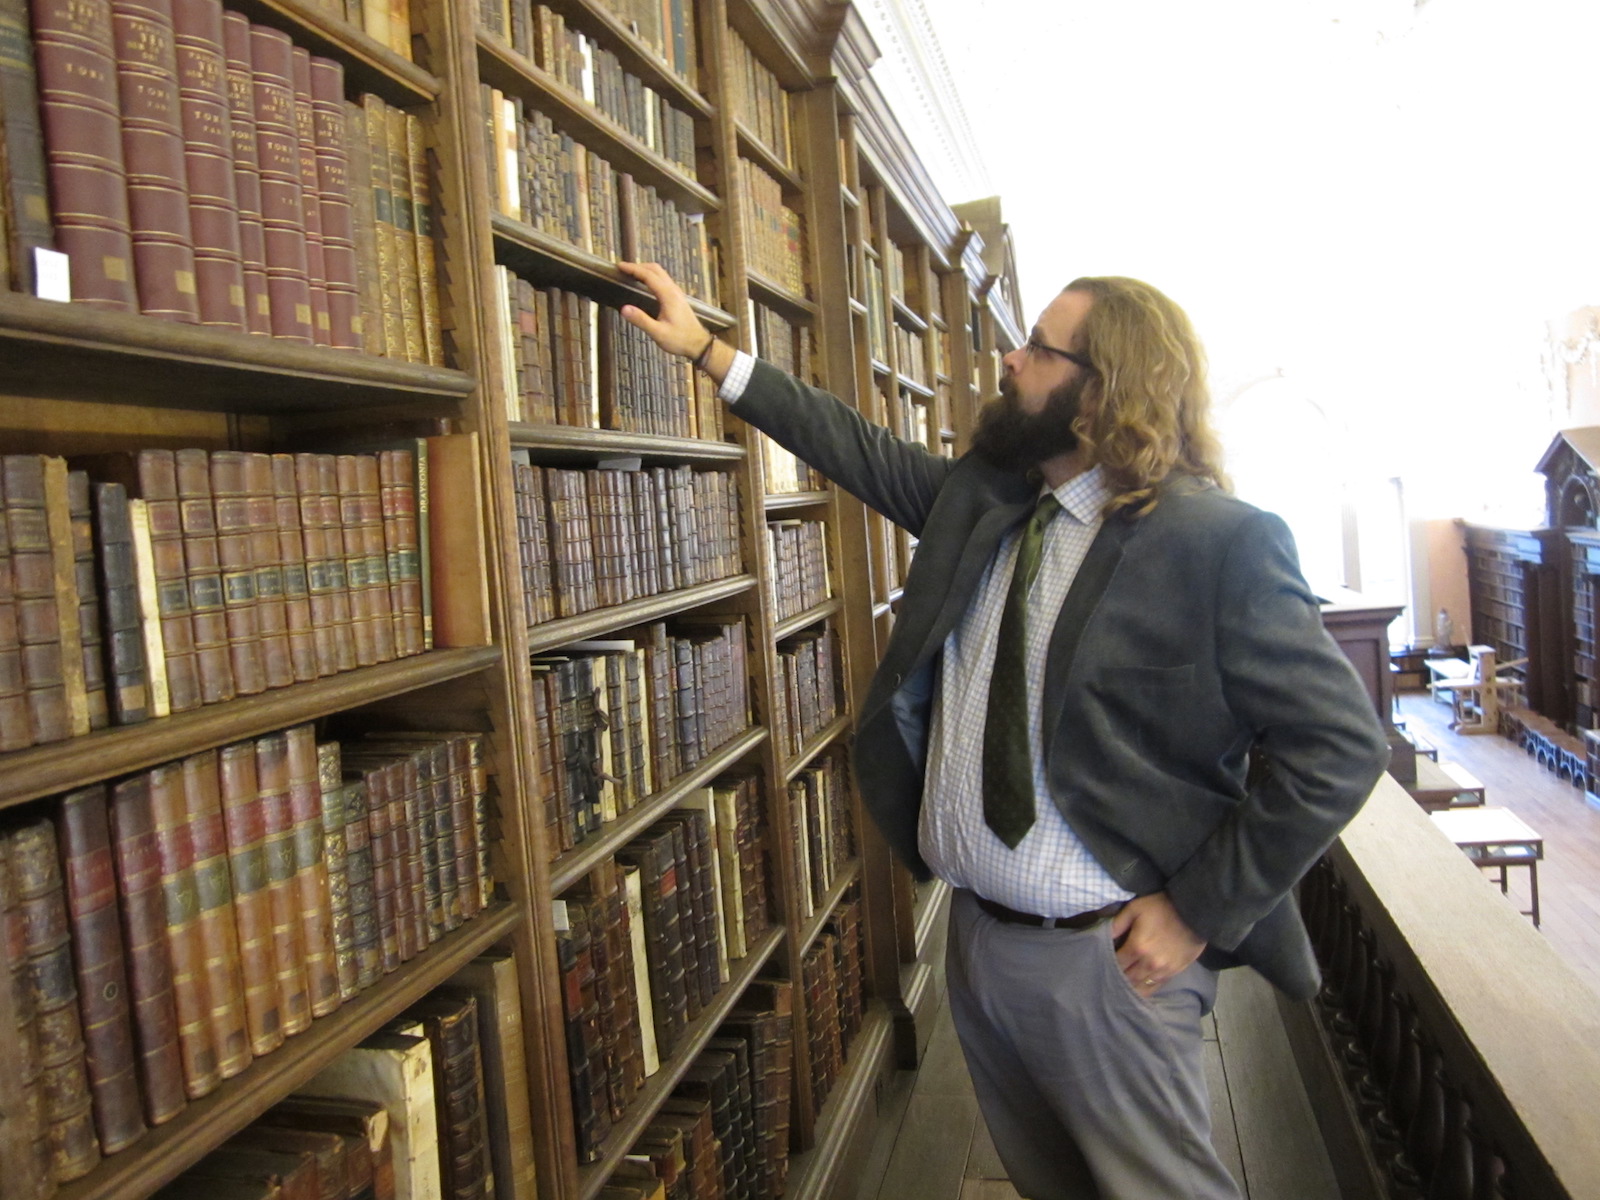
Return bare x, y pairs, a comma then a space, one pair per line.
34, 590
333, 191
391, 286
311, 870
153, 153
283, 900
16, 727
83, 831
364, 230
381, 842
208, 153
245, 825
29, 1170
305, 128
75, 56
266, 553
59, 523
158, 487
246, 171
127, 690
282, 202
363, 900
351, 545
452, 1029
144, 931
422, 222
292, 555
235, 557
374, 557
403, 214
91, 635
341, 925
26, 200
203, 567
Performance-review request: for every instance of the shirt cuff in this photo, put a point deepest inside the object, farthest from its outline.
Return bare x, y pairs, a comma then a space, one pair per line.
738, 377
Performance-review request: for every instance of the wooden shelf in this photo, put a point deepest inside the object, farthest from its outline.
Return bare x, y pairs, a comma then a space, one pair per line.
758, 152
166, 1150
776, 501
581, 859
817, 1172
811, 616
860, 309
369, 65
509, 71
881, 368
848, 874
775, 296
77, 762
73, 351
636, 57
552, 635
906, 317
573, 444
915, 388
851, 200
815, 746
742, 972
548, 261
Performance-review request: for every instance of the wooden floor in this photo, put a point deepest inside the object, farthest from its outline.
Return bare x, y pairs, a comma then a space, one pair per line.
934, 1146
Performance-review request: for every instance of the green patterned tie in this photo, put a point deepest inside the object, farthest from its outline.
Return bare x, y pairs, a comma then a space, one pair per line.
1007, 762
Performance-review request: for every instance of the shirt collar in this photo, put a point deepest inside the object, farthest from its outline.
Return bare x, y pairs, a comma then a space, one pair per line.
1084, 496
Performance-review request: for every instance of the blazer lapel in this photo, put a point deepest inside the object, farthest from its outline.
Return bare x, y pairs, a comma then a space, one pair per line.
1093, 577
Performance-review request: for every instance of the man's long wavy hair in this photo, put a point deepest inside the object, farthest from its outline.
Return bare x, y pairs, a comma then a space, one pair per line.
1149, 410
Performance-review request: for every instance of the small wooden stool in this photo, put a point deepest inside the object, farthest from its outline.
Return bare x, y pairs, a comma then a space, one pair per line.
1494, 837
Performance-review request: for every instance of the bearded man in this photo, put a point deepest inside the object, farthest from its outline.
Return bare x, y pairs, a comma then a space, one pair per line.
1093, 641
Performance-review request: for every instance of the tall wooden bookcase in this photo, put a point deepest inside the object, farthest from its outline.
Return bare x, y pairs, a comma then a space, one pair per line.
902, 319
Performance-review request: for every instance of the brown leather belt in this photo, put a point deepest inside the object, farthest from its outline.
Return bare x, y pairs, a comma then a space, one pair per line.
1083, 920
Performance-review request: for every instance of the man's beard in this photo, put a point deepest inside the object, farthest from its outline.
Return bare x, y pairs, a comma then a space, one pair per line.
1019, 441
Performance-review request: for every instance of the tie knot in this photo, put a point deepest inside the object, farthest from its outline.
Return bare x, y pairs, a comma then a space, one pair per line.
1046, 508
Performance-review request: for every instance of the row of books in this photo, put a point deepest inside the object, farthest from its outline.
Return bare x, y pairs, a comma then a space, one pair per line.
799, 577
666, 27
759, 101
808, 685
595, 538
207, 170
895, 265
724, 1132
831, 976
597, 75
574, 361
909, 358
877, 312
775, 241
617, 720
824, 829
913, 420
158, 581
387, 22
790, 348
167, 930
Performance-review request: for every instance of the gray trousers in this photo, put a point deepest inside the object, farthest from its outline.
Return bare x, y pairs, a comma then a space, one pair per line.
1090, 1091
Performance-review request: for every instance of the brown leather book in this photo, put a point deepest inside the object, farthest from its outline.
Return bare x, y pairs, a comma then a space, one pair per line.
144, 932
422, 230
26, 200
351, 542
365, 935
390, 284
328, 1149
224, 976
311, 870
331, 799
38, 613
317, 476
68, 1106
398, 500
64, 541
246, 171
363, 227
203, 566
208, 156
292, 557
29, 1170
374, 554
91, 638
272, 617
75, 56
451, 1022
457, 547
365, 1126
492, 981
122, 624
282, 200
305, 128
294, 1174
390, 775
16, 727
235, 553
153, 154
403, 214
288, 940
333, 194
184, 942
252, 903
377, 784
154, 479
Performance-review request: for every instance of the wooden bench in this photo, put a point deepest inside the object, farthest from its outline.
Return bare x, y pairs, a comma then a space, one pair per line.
1496, 839
1445, 785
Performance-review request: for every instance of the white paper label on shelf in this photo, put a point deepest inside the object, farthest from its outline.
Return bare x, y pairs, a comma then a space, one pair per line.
51, 273
558, 916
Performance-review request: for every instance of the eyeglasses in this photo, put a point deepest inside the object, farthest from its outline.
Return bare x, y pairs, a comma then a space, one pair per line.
1034, 346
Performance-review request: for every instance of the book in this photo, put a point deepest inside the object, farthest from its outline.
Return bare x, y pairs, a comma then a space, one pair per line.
284, 239
115, 567
91, 639
491, 980
16, 724
284, 892
39, 610
29, 1170
235, 551
244, 820
246, 162
451, 1024
266, 556
26, 199
363, 1126
305, 130
208, 602
458, 579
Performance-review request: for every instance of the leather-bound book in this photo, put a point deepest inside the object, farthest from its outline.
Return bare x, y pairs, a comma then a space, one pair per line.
311, 870
713, 1079
30, 1171
403, 213
45, 587
252, 902
318, 480
333, 195
68, 1106
398, 501
330, 789
144, 931
153, 479
153, 154
208, 158
282, 201
203, 564
422, 230
364, 614
293, 1174
26, 200
203, 1187
427, 774
305, 130
122, 622
235, 554
586, 1051
75, 56
16, 726
363, 897
272, 618
369, 511
389, 243
377, 781
327, 1149
292, 557
91, 654
83, 832
363, 227
653, 855
184, 937
283, 896
363, 1124
451, 1023
246, 171
492, 980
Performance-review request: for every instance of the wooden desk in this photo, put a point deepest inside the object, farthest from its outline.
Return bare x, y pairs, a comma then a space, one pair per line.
1495, 837
1444, 785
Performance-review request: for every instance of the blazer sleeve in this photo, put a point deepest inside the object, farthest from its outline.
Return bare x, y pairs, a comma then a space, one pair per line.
1288, 683
896, 477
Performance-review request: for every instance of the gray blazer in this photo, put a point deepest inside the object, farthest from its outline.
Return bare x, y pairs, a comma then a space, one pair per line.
1188, 638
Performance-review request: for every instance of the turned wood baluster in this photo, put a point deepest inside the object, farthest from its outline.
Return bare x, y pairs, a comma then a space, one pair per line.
1452, 1178
1406, 1091
1488, 1171
1338, 968
1386, 1056
1425, 1134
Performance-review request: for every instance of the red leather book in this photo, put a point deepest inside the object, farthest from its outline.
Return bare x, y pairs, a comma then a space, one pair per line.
292, 559
29, 1171
261, 513
282, 200
333, 194
311, 870
288, 939
317, 476
78, 104
252, 903
235, 553
375, 783
152, 152
203, 566
224, 976
144, 932
83, 831
26, 199
246, 171
208, 155
305, 129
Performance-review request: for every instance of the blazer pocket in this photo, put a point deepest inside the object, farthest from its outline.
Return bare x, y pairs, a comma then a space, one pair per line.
1124, 679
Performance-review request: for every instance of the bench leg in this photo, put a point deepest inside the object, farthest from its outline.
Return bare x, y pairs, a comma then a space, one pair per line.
1533, 891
